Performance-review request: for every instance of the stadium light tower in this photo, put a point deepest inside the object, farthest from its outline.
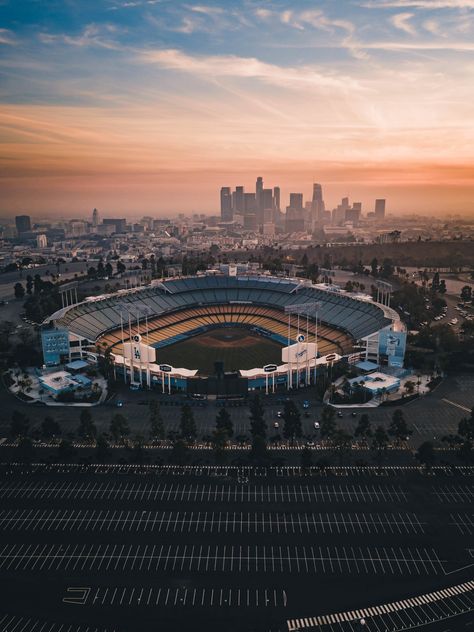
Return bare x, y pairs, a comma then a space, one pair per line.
133, 312
310, 310
384, 291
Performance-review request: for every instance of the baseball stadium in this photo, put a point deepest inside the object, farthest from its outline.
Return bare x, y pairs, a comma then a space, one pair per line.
257, 328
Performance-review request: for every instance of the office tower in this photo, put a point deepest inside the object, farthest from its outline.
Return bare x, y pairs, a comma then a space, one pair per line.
296, 200
379, 209
119, 225
226, 204
276, 199
95, 218
345, 203
357, 206
317, 202
23, 223
239, 200
41, 241
258, 189
250, 211
294, 220
259, 199
352, 215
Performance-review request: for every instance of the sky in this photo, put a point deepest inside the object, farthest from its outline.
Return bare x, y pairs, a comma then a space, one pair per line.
150, 106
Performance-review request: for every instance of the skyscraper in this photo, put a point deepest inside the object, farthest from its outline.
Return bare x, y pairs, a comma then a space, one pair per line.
317, 203
294, 219
226, 204
239, 200
23, 223
95, 218
379, 209
276, 199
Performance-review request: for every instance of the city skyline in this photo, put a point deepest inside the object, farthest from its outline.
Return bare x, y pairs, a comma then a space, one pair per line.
146, 106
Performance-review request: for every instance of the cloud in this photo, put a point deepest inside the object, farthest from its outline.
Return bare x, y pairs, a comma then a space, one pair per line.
7, 37
303, 77
92, 35
419, 4
401, 21
433, 27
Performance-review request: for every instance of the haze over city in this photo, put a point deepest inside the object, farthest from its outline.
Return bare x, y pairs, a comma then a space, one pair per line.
150, 107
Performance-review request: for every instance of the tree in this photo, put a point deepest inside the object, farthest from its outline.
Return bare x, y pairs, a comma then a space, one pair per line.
363, 429
258, 452
442, 287
380, 441
341, 441
187, 425
157, 428
466, 427
19, 424
258, 427
426, 454
466, 293
398, 427
109, 271
86, 429
409, 387
224, 423
219, 442
292, 421
306, 458
121, 267
119, 428
19, 290
26, 451
386, 269
102, 450
179, 454
374, 267
138, 451
6, 330
29, 284
66, 450
328, 423
50, 428
100, 268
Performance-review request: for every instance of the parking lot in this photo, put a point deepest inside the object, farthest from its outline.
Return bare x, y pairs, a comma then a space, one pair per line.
224, 547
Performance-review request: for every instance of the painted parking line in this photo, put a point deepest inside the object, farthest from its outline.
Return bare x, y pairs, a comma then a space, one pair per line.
455, 494
15, 623
398, 615
177, 597
463, 522
231, 471
208, 522
217, 558
178, 492
460, 406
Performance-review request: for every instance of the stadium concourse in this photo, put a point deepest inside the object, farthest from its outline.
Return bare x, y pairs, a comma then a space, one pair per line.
318, 325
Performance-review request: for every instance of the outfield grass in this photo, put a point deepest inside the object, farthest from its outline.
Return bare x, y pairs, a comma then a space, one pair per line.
238, 348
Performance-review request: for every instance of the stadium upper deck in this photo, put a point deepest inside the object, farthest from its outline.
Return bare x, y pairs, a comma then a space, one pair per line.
93, 318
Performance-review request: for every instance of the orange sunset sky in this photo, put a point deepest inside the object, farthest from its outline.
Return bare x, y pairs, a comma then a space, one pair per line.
151, 106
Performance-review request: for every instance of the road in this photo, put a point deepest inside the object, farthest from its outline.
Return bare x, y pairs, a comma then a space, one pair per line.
430, 417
